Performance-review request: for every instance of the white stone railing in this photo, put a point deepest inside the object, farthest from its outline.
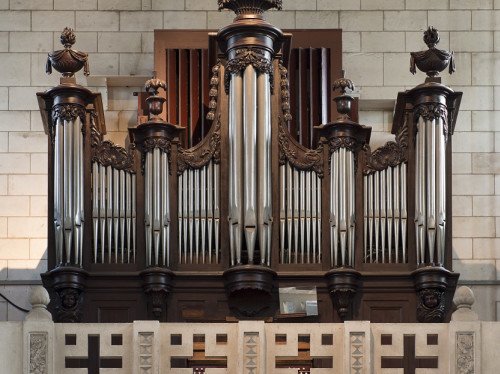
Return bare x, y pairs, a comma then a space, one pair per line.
38, 346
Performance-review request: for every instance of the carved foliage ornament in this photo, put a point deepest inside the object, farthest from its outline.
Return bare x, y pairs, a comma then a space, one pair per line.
433, 111
430, 307
303, 159
107, 153
214, 91
67, 112
465, 353
38, 353
197, 157
249, 6
153, 142
245, 57
348, 142
285, 93
390, 155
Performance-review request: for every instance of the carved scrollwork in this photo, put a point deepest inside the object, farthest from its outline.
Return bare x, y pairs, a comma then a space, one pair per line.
214, 91
153, 142
107, 153
391, 154
67, 112
38, 353
200, 155
300, 157
433, 111
245, 57
348, 142
285, 93
465, 353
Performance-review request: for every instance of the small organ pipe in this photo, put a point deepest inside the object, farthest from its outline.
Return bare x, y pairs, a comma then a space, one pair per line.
185, 212
397, 210
109, 208
352, 207
95, 206
390, 216
165, 210
430, 176
365, 217
128, 188
179, 214
196, 213
203, 212
122, 215
156, 204
314, 213
210, 214
78, 191
68, 188
440, 189
307, 176
116, 209
59, 189
302, 212
148, 205
334, 182
282, 212
289, 208
134, 215
370, 216
191, 214
296, 213
102, 208
377, 213
217, 210
342, 207
383, 211
404, 211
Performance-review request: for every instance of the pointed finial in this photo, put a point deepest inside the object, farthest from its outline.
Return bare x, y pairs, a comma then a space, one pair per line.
155, 84
343, 83
67, 61
344, 100
155, 102
433, 61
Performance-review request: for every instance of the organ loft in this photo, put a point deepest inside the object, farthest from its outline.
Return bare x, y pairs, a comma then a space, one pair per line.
248, 173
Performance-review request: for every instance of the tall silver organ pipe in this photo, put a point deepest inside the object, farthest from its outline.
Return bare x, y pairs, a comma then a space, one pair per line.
385, 215
300, 221
430, 189
199, 240
250, 203
68, 190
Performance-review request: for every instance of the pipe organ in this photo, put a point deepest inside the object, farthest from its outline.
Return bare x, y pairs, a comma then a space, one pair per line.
211, 232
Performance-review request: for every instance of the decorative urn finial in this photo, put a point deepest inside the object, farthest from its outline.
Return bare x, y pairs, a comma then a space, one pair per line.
433, 61
256, 7
67, 61
343, 101
155, 102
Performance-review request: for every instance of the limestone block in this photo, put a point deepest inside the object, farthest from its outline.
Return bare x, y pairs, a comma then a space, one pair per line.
455, 20
38, 206
474, 227
119, 42
15, 69
14, 206
462, 206
38, 75
3, 185
405, 20
136, 64
365, 69
466, 337
167, 5
485, 163
39, 300
473, 142
396, 70
29, 184
147, 42
375, 119
383, 41
486, 20
119, 137
471, 4
18, 228
4, 99
146, 346
86, 41
24, 98
485, 120
15, 21
27, 142
338, 5
462, 163
490, 331
379, 93
316, 20
75, 5
11, 341
462, 76
121, 98
3, 227
119, 5
471, 41
4, 145
476, 98
184, 20
97, 21
39, 163
3, 276
475, 269
485, 67
415, 41
216, 20
14, 249
382, 4
52, 21
4, 4
361, 20
4, 41
14, 163
351, 42
104, 63
389, 340
3, 304
462, 248
26, 270
427, 4
38, 249
497, 4
140, 21
30, 5
357, 343
281, 19
288, 5
497, 96
207, 5
486, 248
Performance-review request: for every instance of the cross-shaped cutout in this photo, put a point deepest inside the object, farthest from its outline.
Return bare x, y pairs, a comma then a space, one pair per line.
409, 362
94, 361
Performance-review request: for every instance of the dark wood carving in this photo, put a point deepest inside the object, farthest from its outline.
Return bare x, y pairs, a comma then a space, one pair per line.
67, 61
249, 56
343, 285
433, 111
285, 92
214, 91
430, 284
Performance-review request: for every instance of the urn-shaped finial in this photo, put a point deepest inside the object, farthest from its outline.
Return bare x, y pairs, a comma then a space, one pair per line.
241, 7
433, 61
67, 61
155, 102
343, 101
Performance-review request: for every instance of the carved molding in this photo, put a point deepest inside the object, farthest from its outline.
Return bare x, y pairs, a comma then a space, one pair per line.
465, 353
249, 6
245, 57
433, 111
431, 307
214, 91
285, 93
38, 353
357, 352
251, 344
146, 340
299, 157
391, 154
68, 112
199, 156
109, 154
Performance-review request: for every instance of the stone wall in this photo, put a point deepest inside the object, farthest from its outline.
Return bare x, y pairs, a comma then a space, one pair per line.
378, 36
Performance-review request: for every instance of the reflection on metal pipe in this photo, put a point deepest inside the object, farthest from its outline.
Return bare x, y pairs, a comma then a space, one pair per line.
296, 213
116, 196
78, 190
397, 211
289, 208
210, 214
122, 215
440, 189
95, 206
217, 210
370, 216
314, 212
203, 212
352, 207
383, 212
134, 215
148, 214
128, 188
365, 217
376, 212
282, 213
196, 213
68, 188
165, 213
430, 176
342, 207
302, 211
334, 194
59, 190
390, 213
420, 190
404, 211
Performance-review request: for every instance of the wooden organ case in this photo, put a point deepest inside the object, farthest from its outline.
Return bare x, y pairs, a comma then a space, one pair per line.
211, 232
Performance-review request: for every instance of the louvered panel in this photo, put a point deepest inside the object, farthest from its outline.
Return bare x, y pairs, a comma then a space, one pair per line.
194, 124
172, 77
303, 96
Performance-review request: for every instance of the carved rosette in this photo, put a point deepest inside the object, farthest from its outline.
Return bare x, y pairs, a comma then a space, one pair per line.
214, 91
248, 56
38, 353
198, 157
109, 154
285, 93
433, 111
431, 308
390, 155
465, 353
298, 156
